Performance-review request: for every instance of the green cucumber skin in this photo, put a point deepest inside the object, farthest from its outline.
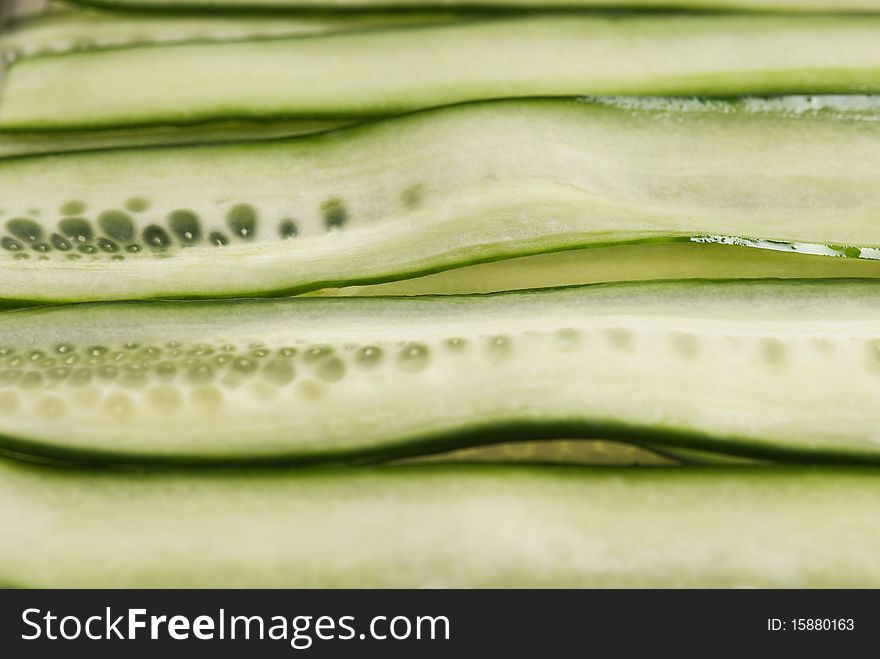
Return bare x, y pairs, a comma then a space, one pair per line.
82, 30
643, 262
711, 366
591, 452
685, 447
620, 263
372, 5
440, 526
530, 56
14, 145
587, 173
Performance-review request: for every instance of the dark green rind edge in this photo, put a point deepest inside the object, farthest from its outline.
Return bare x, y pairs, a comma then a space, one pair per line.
13, 303
693, 458
211, 116
17, 303
359, 122
363, 123
431, 443
234, 124
337, 299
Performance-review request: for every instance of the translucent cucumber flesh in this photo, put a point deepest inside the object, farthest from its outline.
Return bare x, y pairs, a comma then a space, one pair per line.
441, 527
381, 72
20, 144
549, 451
435, 190
764, 368
94, 30
624, 263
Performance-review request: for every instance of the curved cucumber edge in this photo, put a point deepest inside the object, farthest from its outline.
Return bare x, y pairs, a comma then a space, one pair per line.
694, 447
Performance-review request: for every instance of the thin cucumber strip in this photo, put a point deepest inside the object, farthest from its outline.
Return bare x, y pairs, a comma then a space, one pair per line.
770, 368
94, 30
65, 31
690, 457
453, 526
624, 263
548, 451
751, 5
440, 189
20, 144
382, 72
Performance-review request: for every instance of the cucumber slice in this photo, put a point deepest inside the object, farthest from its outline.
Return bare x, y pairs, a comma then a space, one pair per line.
93, 30
21, 144
771, 368
64, 31
691, 457
441, 527
381, 72
439, 189
548, 451
752, 5
625, 263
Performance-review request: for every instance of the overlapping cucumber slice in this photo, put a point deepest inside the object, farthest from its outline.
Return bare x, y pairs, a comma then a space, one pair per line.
440, 527
381, 72
66, 31
645, 262
440, 189
768, 368
23, 144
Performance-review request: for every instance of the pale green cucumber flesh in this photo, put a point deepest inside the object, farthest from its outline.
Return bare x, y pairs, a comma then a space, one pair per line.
683, 456
441, 527
787, 369
21, 144
593, 452
439, 189
646, 262
752, 5
65, 31
95, 30
381, 72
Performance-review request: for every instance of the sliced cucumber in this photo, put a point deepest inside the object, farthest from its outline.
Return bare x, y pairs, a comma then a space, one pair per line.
752, 5
763, 368
93, 30
388, 71
64, 31
691, 457
439, 189
20, 144
441, 527
625, 263
549, 451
